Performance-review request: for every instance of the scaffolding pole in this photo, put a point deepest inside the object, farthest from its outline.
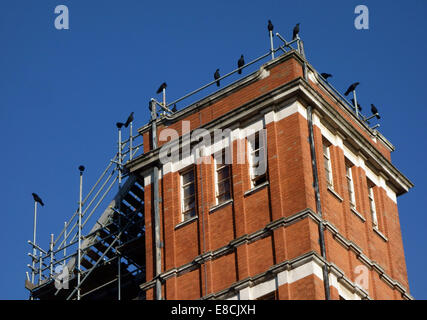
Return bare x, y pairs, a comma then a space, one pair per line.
81, 168
119, 260
156, 202
34, 242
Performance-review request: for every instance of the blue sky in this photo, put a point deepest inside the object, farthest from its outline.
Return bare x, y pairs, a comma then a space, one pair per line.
61, 92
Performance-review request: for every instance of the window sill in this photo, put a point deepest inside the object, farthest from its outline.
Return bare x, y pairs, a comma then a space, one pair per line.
255, 189
184, 223
378, 232
357, 214
219, 206
335, 194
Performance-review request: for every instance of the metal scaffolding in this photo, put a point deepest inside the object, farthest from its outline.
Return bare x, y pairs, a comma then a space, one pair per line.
108, 260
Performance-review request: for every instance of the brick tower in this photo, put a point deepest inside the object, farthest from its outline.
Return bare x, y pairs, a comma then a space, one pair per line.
321, 221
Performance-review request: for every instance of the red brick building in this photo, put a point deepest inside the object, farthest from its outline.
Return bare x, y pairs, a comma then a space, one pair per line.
327, 203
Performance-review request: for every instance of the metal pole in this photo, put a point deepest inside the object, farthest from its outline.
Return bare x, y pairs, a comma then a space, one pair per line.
317, 199
271, 45
81, 168
164, 97
156, 202
355, 103
40, 267
65, 240
130, 142
51, 255
34, 241
119, 220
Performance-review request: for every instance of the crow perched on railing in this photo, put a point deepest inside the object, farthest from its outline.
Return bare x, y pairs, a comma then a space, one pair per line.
217, 76
374, 111
351, 88
240, 64
326, 75
162, 86
270, 26
37, 199
129, 120
296, 31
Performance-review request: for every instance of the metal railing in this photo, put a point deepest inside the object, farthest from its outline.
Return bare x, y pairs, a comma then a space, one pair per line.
44, 262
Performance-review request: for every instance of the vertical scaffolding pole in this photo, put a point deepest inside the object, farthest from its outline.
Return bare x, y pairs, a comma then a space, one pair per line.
271, 45
355, 103
40, 267
65, 241
155, 191
119, 260
164, 97
130, 141
51, 255
34, 242
81, 168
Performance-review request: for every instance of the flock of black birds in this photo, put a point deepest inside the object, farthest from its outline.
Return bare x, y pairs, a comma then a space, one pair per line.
217, 76
241, 64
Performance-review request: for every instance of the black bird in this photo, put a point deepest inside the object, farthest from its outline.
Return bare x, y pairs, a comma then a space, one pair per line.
374, 111
270, 26
129, 120
38, 199
217, 76
174, 107
240, 64
163, 86
326, 75
296, 31
358, 104
81, 168
119, 124
351, 88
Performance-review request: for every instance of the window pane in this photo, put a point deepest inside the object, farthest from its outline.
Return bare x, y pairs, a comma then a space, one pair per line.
224, 197
224, 187
223, 173
189, 214
188, 190
188, 177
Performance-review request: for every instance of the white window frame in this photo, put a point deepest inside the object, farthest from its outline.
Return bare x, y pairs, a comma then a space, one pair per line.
328, 162
350, 185
217, 179
182, 186
372, 206
252, 157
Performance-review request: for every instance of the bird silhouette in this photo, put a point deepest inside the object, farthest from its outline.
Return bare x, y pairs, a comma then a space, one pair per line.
240, 64
129, 120
162, 86
270, 26
217, 76
37, 199
174, 107
374, 111
326, 75
81, 168
358, 104
351, 88
119, 124
296, 31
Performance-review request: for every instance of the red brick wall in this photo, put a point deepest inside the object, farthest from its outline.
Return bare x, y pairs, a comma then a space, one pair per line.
290, 191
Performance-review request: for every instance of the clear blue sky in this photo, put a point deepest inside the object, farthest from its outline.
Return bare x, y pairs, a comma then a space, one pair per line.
61, 92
